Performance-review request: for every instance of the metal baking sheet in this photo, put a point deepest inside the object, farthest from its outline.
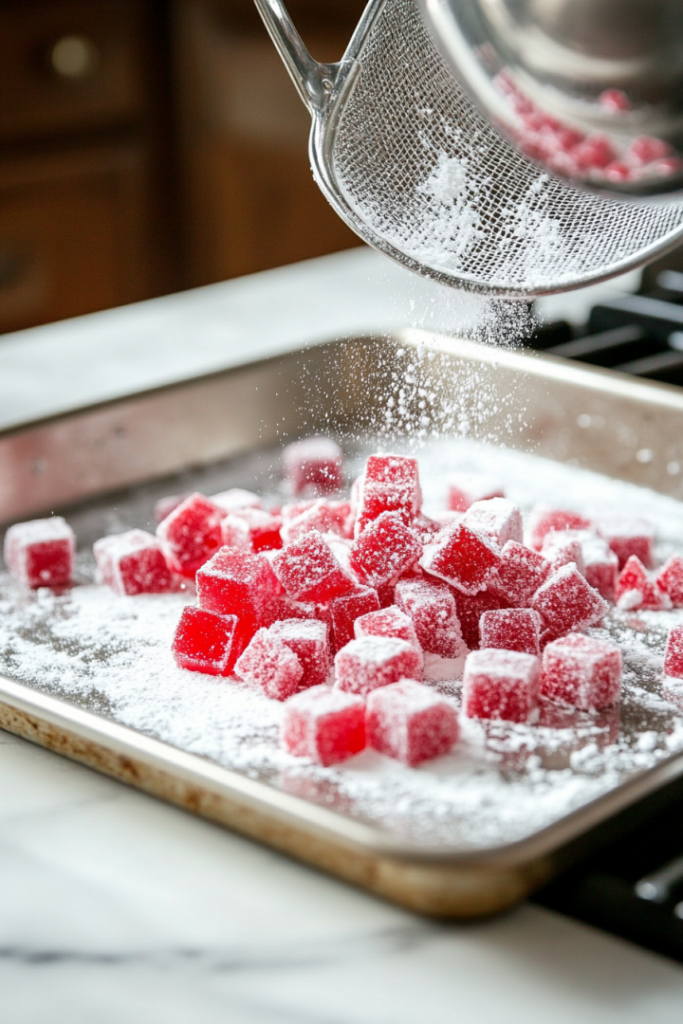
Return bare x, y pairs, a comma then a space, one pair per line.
85, 671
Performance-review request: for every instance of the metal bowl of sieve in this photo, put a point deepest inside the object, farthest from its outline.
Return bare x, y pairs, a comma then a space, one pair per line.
411, 165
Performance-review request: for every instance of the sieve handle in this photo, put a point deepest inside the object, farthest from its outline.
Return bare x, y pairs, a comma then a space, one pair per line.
313, 81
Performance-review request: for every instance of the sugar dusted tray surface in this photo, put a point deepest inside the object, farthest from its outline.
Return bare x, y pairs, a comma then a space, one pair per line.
502, 783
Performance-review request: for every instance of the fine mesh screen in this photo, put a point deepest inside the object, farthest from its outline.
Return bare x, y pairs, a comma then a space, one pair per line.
425, 172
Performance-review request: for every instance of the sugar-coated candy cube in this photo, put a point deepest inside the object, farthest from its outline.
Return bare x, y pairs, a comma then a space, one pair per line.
636, 590
384, 550
191, 534
271, 664
309, 640
520, 574
133, 563
600, 564
235, 498
466, 488
670, 580
410, 722
501, 684
673, 655
567, 602
544, 519
496, 518
291, 509
309, 571
288, 608
512, 629
471, 607
251, 529
627, 536
559, 548
322, 516
461, 557
581, 671
389, 621
40, 552
242, 584
646, 148
206, 642
614, 100
314, 465
323, 724
431, 606
345, 610
164, 506
373, 661
391, 483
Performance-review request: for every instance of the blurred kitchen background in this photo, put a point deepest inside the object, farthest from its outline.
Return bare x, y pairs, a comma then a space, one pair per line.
148, 146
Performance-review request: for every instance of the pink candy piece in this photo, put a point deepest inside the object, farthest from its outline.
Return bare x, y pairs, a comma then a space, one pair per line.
235, 498
410, 722
133, 563
582, 671
251, 529
431, 606
496, 518
560, 549
628, 537
566, 602
241, 584
288, 608
314, 465
521, 573
389, 621
501, 684
670, 580
345, 610
512, 629
600, 564
466, 488
40, 552
673, 655
647, 148
545, 518
595, 152
309, 641
636, 590
205, 642
191, 534
391, 484
270, 664
373, 661
384, 550
614, 100
324, 725
471, 607
309, 571
461, 557
322, 515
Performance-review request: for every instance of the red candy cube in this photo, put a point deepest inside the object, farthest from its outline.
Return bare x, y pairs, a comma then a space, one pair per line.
561, 548
373, 661
670, 580
628, 537
410, 722
205, 642
288, 608
191, 534
471, 607
384, 551
512, 629
40, 552
251, 529
673, 656
582, 671
544, 519
461, 557
309, 641
309, 571
241, 584
391, 484
271, 665
389, 621
234, 499
133, 563
501, 684
496, 518
521, 573
322, 515
600, 564
466, 488
647, 148
324, 725
431, 606
345, 610
566, 602
636, 590
314, 466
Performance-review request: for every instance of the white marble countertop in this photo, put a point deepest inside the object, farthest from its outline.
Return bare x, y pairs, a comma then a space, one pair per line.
117, 908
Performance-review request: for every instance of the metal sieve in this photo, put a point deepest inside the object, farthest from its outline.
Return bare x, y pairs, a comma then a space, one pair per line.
413, 167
